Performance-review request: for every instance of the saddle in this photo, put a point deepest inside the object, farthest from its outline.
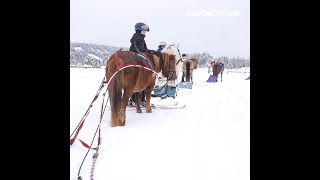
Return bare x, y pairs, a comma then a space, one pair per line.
142, 59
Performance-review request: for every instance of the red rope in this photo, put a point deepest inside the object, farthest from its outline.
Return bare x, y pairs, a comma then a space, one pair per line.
86, 114
86, 145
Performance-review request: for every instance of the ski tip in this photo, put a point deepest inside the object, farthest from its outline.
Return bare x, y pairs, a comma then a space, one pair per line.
182, 106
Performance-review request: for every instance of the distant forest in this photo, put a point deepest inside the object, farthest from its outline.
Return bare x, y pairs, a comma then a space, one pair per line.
95, 55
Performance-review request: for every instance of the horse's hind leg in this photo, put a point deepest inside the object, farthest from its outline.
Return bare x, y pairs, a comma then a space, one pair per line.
122, 114
138, 102
148, 91
115, 107
191, 76
124, 103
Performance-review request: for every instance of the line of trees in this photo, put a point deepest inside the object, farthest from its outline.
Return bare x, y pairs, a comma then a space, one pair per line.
95, 55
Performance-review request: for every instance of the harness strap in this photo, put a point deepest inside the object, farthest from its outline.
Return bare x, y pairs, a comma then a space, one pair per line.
116, 61
80, 125
95, 156
99, 129
86, 145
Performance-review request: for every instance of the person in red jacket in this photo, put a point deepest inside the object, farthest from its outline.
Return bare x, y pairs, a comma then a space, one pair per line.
213, 63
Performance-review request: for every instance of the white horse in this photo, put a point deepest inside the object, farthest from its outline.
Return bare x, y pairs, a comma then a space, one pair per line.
174, 49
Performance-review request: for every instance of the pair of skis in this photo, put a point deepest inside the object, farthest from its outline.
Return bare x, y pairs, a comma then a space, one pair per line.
160, 106
168, 106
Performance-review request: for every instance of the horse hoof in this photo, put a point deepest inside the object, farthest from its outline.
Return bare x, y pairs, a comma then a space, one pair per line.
150, 111
113, 125
123, 123
139, 111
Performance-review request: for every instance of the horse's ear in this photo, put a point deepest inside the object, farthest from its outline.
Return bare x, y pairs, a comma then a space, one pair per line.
178, 45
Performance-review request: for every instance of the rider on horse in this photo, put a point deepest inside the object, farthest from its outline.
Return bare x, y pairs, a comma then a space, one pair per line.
137, 41
139, 45
161, 46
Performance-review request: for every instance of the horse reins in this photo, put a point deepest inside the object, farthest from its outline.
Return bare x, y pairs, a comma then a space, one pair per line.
80, 125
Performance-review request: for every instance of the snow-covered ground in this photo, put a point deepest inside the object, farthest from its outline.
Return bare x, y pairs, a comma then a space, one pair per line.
208, 139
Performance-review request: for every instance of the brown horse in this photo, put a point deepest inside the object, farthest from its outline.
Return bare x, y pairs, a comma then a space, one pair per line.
216, 69
128, 76
195, 63
188, 66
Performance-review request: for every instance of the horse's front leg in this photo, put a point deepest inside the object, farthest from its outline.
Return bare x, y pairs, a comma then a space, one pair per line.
138, 102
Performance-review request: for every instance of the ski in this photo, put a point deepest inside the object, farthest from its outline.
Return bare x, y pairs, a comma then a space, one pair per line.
172, 107
158, 106
130, 108
164, 105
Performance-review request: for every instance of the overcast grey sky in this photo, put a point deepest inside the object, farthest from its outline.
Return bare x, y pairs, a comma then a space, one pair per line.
219, 27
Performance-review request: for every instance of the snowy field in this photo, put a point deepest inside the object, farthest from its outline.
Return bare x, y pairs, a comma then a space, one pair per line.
208, 139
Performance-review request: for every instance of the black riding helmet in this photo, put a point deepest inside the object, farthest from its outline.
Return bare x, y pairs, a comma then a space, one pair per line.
141, 26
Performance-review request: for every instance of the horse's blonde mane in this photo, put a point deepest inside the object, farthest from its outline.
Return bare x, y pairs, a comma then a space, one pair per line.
173, 49
156, 61
166, 59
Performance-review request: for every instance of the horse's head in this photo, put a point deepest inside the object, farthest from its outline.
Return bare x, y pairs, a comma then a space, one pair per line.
168, 66
174, 50
176, 45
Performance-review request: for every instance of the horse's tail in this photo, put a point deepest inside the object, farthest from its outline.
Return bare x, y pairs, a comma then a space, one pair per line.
188, 72
115, 93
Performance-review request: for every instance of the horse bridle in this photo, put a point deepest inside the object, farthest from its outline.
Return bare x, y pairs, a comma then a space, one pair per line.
180, 60
170, 69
